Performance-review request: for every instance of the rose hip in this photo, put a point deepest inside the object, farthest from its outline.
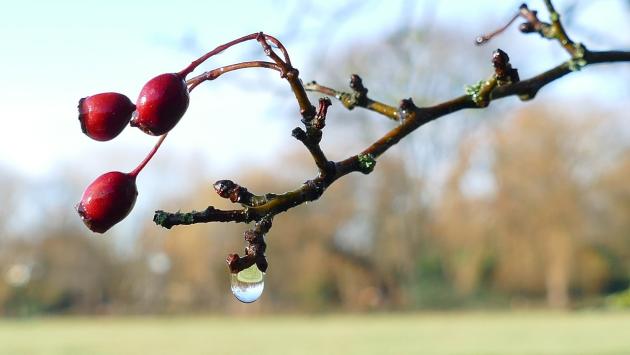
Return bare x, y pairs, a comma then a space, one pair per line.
104, 116
161, 104
110, 198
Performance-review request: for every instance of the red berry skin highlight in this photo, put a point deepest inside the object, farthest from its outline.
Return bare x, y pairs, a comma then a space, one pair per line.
104, 116
161, 104
108, 200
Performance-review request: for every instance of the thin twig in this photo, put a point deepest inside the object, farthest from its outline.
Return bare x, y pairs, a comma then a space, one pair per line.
363, 162
350, 100
215, 73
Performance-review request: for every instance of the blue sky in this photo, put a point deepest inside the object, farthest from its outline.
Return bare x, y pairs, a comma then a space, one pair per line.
57, 52
54, 53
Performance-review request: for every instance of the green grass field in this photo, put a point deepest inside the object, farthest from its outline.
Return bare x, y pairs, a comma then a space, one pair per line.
425, 333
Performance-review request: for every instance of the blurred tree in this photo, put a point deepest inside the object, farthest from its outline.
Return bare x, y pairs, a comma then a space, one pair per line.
64, 272
532, 230
538, 205
463, 229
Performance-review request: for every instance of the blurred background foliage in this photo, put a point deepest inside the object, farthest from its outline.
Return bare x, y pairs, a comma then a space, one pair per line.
549, 229
519, 205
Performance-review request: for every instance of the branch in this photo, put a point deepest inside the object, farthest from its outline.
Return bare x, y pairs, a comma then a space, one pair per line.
210, 214
413, 118
357, 97
504, 82
525, 89
553, 31
215, 73
255, 250
313, 135
291, 74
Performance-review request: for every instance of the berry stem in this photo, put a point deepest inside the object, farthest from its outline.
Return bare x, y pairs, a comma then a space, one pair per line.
142, 164
280, 46
215, 51
215, 73
190, 68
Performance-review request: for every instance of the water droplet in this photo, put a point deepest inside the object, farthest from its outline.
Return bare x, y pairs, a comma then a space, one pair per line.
248, 285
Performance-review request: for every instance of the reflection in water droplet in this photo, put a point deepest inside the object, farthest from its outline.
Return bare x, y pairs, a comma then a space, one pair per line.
248, 285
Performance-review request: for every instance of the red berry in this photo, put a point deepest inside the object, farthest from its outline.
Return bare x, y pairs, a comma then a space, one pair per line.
104, 116
161, 104
108, 200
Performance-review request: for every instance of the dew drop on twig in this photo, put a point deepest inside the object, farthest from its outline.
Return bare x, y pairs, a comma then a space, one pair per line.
247, 285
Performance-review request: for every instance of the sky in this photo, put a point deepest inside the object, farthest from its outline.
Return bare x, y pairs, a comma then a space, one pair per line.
54, 53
